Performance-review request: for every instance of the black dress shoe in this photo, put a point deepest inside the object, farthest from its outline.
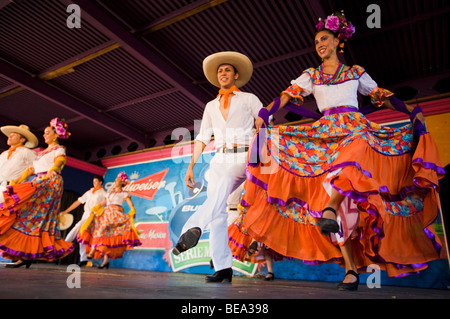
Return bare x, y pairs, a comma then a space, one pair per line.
188, 240
26, 263
350, 286
82, 263
327, 225
221, 275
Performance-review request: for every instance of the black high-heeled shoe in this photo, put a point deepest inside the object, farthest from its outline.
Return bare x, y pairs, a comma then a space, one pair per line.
104, 266
328, 226
270, 276
26, 263
350, 286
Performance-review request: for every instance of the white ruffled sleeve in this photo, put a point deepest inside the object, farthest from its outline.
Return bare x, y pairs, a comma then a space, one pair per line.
300, 87
366, 84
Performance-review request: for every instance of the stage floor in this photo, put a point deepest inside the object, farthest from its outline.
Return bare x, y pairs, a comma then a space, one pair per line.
50, 281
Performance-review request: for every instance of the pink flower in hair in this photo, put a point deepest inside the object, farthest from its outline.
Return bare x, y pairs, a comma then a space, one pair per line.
54, 122
337, 23
123, 177
332, 23
60, 127
60, 130
346, 32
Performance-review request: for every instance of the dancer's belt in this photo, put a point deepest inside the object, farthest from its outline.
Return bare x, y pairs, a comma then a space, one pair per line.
340, 109
235, 149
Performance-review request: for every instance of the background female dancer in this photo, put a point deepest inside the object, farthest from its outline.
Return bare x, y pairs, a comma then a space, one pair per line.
32, 207
109, 232
344, 189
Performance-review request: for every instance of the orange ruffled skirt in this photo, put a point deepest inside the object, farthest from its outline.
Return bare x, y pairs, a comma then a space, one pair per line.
389, 180
240, 241
111, 233
29, 220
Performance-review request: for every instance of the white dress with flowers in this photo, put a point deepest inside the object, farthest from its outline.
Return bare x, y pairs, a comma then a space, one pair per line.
111, 232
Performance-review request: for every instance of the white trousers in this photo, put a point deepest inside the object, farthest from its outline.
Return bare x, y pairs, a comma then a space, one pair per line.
226, 173
72, 235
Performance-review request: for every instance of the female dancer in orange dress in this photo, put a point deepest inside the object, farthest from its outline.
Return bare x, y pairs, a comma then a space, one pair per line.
29, 213
109, 232
344, 189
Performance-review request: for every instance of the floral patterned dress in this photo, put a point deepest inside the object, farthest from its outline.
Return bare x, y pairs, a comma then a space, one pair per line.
389, 179
111, 231
29, 214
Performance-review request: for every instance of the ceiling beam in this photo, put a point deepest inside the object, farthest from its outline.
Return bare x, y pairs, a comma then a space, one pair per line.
91, 12
177, 16
41, 88
4, 3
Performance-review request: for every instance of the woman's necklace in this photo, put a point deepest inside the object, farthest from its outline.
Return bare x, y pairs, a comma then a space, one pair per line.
336, 75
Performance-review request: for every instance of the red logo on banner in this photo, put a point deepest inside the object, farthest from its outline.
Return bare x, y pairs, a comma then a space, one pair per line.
154, 235
148, 186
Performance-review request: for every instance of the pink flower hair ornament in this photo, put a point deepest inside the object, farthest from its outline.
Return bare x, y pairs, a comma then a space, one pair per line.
124, 177
338, 24
60, 127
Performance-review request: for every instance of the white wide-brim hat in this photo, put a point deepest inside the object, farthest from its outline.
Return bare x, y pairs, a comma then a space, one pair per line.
240, 61
65, 221
23, 130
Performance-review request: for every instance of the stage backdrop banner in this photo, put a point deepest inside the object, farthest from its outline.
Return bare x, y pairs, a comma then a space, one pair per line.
163, 204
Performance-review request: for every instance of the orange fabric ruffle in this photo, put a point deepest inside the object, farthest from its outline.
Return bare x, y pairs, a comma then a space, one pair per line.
240, 241
283, 209
45, 247
113, 247
29, 221
14, 199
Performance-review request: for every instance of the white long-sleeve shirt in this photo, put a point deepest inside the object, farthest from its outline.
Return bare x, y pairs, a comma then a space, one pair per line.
237, 129
90, 199
13, 167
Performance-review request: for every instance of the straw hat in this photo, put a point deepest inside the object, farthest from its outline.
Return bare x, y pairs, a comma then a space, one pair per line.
23, 130
65, 221
241, 62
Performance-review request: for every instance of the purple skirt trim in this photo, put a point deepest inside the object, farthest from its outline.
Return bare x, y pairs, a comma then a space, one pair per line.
359, 197
9, 191
339, 109
432, 166
124, 243
49, 253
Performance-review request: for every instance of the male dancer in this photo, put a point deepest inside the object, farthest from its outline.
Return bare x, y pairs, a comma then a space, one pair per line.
230, 117
19, 155
90, 199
